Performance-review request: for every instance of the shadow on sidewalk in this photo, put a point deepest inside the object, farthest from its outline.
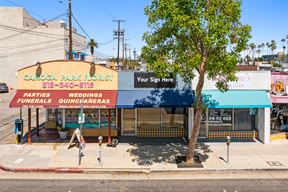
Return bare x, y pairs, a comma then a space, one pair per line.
147, 151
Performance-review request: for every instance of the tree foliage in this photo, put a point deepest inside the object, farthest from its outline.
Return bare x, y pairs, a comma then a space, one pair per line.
184, 33
195, 35
92, 44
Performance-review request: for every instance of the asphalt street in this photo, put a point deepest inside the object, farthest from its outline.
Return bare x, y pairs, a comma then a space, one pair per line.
8, 116
215, 185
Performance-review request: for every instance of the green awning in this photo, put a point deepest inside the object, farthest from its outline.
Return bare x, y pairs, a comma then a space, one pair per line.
236, 99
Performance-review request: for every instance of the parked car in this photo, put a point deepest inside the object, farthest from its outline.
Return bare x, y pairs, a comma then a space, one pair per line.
4, 88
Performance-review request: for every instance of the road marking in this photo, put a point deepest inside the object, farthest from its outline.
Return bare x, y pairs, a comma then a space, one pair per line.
18, 161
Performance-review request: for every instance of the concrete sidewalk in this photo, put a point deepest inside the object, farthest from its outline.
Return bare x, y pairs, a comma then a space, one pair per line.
135, 157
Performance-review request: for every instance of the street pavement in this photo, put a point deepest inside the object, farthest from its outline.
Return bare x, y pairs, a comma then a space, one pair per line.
216, 185
8, 116
144, 158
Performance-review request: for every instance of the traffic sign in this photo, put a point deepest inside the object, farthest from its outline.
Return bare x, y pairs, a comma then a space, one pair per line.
81, 118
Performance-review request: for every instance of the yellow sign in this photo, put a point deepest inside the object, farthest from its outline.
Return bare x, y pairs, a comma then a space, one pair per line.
67, 75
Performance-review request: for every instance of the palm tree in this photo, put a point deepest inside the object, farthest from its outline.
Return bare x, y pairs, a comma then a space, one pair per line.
268, 47
283, 45
92, 44
273, 46
258, 51
252, 47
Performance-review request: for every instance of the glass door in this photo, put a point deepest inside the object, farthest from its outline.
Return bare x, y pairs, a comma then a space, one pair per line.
128, 122
203, 125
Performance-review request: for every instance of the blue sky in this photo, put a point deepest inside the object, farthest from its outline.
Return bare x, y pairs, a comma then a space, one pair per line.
268, 19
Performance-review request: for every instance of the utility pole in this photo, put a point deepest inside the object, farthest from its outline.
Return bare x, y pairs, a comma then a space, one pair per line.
134, 53
70, 30
118, 33
123, 59
125, 50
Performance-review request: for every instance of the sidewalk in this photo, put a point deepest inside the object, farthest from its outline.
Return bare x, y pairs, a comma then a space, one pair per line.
142, 158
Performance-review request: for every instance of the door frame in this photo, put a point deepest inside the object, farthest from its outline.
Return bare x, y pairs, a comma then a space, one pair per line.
122, 122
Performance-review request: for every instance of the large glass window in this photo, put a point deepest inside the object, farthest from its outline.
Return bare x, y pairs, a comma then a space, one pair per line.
244, 119
149, 118
91, 118
220, 119
173, 118
94, 118
129, 122
104, 118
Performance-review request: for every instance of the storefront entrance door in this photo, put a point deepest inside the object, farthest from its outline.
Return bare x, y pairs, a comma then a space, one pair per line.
128, 122
203, 125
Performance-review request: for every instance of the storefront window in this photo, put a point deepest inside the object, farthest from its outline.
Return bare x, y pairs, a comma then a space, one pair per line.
91, 118
52, 113
173, 118
104, 118
149, 118
279, 118
71, 118
244, 119
94, 118
220, 119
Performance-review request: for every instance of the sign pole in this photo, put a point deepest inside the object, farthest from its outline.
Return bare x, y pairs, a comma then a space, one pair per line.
81, 126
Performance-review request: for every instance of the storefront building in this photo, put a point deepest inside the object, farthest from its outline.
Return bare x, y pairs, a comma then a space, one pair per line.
154, 107
63, 87
140, 104
279, 99
243, 112
114, 103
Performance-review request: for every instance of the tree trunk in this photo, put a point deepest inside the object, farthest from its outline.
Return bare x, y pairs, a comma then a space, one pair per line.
197, 121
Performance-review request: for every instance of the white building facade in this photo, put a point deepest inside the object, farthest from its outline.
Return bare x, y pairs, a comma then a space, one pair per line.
243, 112
24, 40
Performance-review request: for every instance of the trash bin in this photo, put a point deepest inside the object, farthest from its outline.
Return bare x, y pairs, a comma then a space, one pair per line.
18, 130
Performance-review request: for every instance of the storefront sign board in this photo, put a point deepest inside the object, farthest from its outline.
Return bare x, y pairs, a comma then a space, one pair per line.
64, 99
150, 80
67, 75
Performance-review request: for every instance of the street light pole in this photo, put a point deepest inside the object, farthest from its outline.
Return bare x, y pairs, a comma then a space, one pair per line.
100, 138
80, 135
228, 143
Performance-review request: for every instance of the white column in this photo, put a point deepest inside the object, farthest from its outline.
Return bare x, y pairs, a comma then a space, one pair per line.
63, 118
267, 126
264, 125
190, 121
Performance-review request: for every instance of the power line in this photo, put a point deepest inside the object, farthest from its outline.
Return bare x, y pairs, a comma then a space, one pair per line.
108, 9
106, 42
33, 50
29, 45
18, 5
81, 27
95, 3
27, 30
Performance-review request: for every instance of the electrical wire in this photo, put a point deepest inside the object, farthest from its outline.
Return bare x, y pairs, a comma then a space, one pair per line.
105, 43
32, 51
81, 27
29, 45
27, 30
11, 2
50, 35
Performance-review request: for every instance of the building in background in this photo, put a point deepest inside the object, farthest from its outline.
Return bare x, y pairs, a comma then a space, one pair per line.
24, 40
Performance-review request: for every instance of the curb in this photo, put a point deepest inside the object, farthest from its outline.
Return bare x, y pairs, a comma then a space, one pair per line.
41, 170
131, 170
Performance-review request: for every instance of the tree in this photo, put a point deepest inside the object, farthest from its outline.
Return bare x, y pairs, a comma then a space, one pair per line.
283, 58
252, 47
92, 44
195, 36
273, 46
